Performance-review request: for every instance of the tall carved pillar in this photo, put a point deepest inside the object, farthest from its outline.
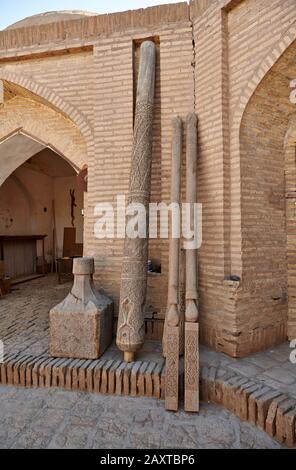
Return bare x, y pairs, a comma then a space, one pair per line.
171, 339
131, 327
182, 296
174, 249
191, 311
173, 314
191, 372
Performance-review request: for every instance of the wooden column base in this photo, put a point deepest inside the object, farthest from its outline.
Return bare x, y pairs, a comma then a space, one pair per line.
191, 368
129, 356
172, 369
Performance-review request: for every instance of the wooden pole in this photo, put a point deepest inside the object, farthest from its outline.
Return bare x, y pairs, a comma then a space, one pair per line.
171, 339
191, 364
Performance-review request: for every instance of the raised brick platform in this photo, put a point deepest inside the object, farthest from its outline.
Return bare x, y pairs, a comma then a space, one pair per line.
24, 329
260, 389
107, 376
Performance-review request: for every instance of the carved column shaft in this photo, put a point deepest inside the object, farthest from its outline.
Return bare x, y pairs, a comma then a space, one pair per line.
173, 314
182, 297
191, 362
174, 249
172, 333
131, 327
191, 313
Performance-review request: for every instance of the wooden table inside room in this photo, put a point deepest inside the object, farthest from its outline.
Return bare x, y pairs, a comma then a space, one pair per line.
19, 253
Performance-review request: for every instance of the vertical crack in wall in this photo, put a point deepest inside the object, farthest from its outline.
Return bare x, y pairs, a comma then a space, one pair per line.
193, 62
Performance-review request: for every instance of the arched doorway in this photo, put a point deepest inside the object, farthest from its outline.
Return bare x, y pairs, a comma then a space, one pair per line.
264, 300
41, 153
290, 177
40, 197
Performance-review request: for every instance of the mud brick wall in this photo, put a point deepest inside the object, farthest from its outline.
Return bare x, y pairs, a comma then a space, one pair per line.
114, 60
247, 39
290, 187
212, 56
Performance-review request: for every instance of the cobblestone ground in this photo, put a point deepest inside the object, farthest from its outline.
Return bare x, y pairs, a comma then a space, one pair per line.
24, 320
53, 418
24, 328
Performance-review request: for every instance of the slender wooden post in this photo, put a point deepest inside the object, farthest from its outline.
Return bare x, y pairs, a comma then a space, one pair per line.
174, 249
1, 92
191, 312
191, 372
182, 295
172, 315
131, 327
171, 340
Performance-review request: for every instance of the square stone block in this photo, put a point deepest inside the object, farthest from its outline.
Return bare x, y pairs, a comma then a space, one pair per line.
81, 325
81, 336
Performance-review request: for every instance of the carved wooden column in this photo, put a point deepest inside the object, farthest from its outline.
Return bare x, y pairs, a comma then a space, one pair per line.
171, 339
182, 296
174, 249
131, 327
191, 372
174, 244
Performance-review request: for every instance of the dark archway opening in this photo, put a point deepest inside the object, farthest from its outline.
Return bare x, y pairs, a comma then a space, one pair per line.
41, 210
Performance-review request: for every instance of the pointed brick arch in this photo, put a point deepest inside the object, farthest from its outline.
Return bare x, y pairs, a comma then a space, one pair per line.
290, 179
239, 109
50, 96
260, 72
267, 202
44, 125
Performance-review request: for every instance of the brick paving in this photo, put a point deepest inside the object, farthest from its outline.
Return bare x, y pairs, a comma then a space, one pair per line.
54, 419
272, 367
24, 320
24, 328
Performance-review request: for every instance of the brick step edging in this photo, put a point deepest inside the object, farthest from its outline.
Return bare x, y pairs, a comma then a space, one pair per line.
114, 377
268, 409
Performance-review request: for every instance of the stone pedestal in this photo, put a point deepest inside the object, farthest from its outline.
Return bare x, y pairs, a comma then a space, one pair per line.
81, 325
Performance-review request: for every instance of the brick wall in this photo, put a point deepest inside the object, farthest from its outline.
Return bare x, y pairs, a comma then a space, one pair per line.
85, 69
262, 302
290, 177
113, 130
262, 307
45, 124
235, 48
